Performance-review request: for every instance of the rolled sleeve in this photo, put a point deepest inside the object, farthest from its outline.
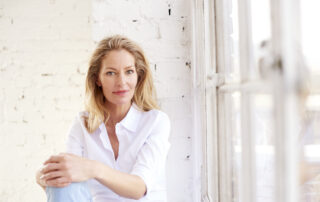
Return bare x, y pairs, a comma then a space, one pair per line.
152, 156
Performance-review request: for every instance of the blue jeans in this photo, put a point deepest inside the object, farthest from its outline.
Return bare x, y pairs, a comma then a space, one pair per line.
75, 192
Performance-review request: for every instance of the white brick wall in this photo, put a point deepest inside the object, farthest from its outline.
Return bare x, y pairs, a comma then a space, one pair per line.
44, 50
45, 46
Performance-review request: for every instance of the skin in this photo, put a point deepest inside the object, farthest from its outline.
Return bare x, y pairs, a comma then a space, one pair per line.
118, 79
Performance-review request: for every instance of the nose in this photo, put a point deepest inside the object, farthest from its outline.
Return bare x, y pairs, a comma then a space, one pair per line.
121, 79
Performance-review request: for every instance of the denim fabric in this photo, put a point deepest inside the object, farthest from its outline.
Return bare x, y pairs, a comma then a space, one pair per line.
75, 192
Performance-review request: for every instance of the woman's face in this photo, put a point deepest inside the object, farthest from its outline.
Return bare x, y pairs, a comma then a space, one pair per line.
118, 77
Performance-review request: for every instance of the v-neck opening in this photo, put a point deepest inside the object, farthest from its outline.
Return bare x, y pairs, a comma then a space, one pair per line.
110, 144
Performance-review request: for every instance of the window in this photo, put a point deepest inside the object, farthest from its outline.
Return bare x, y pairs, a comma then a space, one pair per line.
257, 65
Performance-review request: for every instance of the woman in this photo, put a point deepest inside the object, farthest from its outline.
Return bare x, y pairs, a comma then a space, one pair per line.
116, 150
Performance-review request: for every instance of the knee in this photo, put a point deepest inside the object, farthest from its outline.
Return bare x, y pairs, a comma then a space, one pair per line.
75, 192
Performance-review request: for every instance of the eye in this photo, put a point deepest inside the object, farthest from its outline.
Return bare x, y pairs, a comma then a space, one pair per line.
130, 71
110, 73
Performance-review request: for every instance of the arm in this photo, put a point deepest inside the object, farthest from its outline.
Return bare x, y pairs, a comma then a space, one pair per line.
124, 184
64, 168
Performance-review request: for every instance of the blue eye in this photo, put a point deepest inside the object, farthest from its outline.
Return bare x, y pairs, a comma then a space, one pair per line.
110, 73
130, 71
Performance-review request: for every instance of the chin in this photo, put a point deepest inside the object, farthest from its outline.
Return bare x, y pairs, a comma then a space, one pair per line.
121, 102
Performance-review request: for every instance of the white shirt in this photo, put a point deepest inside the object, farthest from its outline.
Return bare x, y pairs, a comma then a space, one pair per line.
143, 147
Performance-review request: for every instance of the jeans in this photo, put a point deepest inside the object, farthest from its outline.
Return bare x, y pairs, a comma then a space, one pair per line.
75, 192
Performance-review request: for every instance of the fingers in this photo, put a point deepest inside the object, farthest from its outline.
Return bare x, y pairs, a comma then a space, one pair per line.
58, 182
51, 167
63, 185
55, 159
59, 158
53, 172
52, 175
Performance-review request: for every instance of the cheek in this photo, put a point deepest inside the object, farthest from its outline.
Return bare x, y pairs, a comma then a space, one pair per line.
106, 86
134, 83
106, 90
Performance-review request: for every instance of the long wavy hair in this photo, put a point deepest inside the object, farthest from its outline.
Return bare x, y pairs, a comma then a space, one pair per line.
144, 96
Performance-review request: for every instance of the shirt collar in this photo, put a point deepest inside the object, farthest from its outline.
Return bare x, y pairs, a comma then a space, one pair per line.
130, 121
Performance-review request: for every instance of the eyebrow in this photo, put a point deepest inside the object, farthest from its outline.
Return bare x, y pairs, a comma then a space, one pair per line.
127, 67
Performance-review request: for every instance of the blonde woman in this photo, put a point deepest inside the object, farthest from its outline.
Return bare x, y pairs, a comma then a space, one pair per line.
117, 148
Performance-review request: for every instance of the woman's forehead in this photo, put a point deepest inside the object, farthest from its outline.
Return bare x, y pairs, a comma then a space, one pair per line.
118, 58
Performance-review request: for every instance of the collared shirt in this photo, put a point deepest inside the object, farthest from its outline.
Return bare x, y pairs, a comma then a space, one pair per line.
143, 147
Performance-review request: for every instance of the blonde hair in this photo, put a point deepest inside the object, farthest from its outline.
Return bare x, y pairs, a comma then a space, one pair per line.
144, 95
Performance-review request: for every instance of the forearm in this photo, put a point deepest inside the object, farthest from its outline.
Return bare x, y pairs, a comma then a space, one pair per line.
124, 184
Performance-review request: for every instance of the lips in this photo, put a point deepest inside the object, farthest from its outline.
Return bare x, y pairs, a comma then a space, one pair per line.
120, 92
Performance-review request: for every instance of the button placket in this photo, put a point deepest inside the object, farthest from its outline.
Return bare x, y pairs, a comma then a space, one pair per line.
118, 131
104, 137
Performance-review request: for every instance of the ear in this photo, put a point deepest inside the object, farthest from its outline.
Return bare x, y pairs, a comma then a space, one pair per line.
98, 82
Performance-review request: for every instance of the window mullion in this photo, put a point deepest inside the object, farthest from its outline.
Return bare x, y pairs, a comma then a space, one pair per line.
286, 47
215, 80
248, 188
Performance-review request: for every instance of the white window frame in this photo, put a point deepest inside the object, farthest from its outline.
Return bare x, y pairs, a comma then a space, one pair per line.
286, 45
205, 147
206, 107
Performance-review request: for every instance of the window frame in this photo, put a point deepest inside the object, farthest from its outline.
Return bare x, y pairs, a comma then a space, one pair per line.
204, 83
210, 57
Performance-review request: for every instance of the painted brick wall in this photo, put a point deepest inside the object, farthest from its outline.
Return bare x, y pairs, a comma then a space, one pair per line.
45, 46
44, 50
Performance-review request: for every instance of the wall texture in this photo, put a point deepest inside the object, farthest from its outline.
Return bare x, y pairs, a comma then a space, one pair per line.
44, 49
45, 46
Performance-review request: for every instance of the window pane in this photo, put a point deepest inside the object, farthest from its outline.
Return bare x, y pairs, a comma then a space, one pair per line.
234, 68
231, 149
310, 34
311, 149
311, 128
236, 143
229, 44
263, 131
261, 35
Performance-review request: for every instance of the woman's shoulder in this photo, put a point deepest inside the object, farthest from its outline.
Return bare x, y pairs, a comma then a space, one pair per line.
155, 115
158, 122
83, 114
80, 118
158, 113
80, 121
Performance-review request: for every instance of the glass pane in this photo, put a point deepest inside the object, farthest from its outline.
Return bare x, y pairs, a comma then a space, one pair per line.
311, 128
261, 35
234, 69
235, 134
310, 34
232, 147
311, 150
263, 131
230, 43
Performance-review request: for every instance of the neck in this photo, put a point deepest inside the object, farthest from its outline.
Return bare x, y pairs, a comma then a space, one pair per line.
117, 112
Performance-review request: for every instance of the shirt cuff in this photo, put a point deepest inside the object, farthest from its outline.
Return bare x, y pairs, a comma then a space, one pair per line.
140, 172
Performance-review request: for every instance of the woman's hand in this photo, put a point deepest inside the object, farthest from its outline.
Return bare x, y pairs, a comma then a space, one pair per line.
40, 181
60, 170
